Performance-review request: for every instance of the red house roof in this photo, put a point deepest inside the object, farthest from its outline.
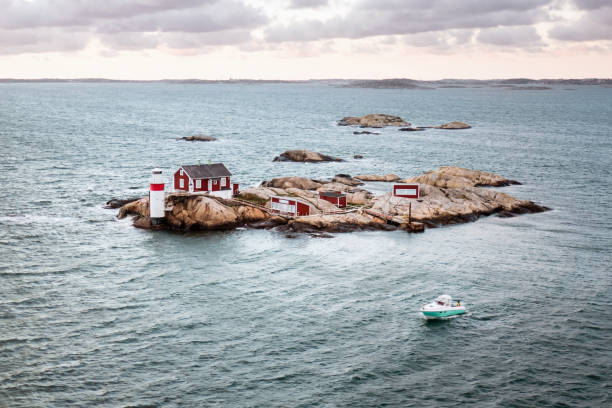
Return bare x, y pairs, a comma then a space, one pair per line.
204, 171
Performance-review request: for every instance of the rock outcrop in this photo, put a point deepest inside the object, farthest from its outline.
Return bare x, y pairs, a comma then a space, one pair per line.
376, 120
292, 182
198, 138
196, 213
458, 177
439, 206
359, 197
305, 156
336, 223
346, 179
119, 202
374, 177
139, 207
454, 125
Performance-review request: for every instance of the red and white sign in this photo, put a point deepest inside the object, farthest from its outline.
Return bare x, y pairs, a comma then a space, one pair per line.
406, 190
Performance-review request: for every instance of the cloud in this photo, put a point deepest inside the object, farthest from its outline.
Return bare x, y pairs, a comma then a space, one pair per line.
67, 13
441, 40
191, 25
188, 41
392, 17
207, 18
130, 41
595, 24
307, 3
122, 24
42, 40
591, 4
521, 36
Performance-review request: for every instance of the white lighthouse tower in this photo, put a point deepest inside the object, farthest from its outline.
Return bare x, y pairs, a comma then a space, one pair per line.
157, 197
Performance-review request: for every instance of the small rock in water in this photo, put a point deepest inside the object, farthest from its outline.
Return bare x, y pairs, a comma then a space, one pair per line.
365, 132
321, 235
412, 129
198, 138
376, 120
305, 156
357, 156
454, 125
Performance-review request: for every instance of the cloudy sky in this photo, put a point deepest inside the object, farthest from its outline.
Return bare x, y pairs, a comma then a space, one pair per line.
302, 39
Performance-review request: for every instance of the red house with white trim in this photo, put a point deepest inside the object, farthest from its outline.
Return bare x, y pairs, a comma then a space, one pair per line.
214, 179
289, 206
335, 197
406, 190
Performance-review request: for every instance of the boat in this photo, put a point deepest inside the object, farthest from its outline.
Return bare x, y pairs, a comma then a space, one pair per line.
443, 306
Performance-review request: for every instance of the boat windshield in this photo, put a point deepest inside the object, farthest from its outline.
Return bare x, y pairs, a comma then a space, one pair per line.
444, 300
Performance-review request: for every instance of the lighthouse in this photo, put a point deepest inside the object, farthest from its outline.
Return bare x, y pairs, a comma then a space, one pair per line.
157, 197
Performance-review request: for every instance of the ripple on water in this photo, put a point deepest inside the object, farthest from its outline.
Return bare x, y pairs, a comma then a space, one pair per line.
97, 313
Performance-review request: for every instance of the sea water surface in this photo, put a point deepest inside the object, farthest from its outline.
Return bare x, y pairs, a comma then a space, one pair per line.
94, 312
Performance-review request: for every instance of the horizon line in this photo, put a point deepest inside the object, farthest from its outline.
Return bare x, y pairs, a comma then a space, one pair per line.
103, 79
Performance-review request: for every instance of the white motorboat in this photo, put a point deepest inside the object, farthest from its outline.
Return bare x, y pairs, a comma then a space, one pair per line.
443, 306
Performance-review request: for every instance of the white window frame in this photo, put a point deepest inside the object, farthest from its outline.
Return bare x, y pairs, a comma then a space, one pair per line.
216, 181
181, 172
198, 184
181, 183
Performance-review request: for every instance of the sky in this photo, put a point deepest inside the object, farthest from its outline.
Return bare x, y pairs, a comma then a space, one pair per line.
305, 39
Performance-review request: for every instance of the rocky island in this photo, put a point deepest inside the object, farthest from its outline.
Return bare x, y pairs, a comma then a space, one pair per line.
381, 120
448, 195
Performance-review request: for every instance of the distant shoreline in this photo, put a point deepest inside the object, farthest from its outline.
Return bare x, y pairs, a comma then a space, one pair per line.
394, 83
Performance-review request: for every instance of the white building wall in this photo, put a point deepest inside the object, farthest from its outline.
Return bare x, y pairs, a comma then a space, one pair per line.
221, 193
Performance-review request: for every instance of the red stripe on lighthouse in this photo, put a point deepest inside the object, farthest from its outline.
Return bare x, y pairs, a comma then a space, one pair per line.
157, 187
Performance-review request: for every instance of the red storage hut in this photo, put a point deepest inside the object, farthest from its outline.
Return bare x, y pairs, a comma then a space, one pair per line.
406, 190
289, 206
335, 197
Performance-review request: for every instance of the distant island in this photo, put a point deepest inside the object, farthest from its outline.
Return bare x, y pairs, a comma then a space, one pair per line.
392, 83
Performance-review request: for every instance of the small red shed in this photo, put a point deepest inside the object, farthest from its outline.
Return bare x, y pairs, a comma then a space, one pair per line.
335, 197
214, 179
289, 206
406, 190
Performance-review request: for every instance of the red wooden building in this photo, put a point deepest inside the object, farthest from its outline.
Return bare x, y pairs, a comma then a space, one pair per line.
214, 179
289, 206
335, 197
406, 190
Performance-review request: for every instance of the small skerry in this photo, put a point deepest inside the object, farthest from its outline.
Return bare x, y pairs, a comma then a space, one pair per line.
443, 306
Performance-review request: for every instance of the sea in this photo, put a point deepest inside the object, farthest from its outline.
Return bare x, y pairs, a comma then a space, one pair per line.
97, 313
